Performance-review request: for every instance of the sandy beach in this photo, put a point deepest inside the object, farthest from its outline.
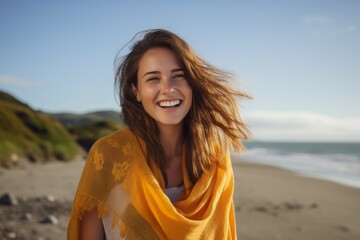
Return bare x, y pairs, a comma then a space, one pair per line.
273, 203
270, 203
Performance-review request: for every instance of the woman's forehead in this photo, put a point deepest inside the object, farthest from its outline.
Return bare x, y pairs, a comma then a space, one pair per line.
158, 59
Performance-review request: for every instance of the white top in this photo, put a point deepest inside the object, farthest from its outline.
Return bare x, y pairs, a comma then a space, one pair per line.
174, 193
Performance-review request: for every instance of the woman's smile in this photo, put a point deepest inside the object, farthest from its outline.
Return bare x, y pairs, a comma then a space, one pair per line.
169, 103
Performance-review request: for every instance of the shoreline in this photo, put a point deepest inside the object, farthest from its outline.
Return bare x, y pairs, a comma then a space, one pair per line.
341, 181
337, 163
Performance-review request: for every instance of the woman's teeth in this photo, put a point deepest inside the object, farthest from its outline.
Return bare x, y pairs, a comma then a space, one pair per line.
169, 103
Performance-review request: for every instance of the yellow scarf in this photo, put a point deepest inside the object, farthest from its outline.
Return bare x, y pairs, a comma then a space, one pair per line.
118, 182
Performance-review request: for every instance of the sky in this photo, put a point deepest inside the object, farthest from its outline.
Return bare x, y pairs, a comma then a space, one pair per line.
299, 60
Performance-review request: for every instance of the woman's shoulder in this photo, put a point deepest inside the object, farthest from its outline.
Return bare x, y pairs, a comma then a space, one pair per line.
113, 152
123, 132
117, 139
222, 155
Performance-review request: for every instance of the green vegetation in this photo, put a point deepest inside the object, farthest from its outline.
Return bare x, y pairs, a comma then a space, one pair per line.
86, 134
25, 133
87, 128
38, 136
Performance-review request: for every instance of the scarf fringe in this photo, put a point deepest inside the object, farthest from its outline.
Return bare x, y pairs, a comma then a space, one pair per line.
85, 203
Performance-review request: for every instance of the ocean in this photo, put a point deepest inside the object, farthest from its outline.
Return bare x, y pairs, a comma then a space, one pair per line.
338, 162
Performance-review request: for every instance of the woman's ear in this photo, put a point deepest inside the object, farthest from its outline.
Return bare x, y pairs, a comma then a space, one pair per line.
135, 91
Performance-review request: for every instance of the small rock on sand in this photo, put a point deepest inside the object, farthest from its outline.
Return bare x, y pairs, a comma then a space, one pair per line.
8, 199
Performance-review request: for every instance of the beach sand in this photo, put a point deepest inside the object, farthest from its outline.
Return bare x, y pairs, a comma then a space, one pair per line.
270, 203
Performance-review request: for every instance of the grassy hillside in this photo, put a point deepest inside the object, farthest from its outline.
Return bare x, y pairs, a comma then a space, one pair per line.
25, 133
72, 119
87, 128
86, 134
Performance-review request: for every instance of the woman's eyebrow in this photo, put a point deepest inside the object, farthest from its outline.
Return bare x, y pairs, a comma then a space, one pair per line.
152, 72
157, 72
177, 70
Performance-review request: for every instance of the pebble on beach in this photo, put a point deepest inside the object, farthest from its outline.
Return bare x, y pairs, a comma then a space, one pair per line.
8, 199
43, 217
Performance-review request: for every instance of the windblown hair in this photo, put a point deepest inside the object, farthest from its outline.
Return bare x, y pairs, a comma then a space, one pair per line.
213, 118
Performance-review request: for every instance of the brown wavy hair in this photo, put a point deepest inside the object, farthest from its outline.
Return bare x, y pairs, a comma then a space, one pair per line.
212, 118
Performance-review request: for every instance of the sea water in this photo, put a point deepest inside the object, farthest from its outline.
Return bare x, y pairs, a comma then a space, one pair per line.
339, 162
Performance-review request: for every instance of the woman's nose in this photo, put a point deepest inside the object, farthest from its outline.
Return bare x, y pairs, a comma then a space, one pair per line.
168, 86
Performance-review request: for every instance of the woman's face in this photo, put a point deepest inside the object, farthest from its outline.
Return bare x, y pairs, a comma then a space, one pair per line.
162, 87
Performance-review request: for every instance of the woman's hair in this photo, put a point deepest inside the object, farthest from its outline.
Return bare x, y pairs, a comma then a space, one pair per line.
213, 118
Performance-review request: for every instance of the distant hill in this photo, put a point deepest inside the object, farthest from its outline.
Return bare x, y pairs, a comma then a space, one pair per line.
87, 128
72, 119
86, 134
26, 133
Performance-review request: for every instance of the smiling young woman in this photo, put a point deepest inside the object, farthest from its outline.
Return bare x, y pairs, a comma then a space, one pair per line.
168, 174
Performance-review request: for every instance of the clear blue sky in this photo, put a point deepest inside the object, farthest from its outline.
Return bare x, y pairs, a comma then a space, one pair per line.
298, 59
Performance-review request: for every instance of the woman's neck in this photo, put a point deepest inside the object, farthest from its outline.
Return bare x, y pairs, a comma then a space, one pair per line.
171, 138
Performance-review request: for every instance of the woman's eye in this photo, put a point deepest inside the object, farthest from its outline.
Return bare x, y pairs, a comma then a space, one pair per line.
179, 76
152, 79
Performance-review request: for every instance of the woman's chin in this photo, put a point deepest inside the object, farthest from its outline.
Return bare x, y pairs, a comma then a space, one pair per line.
169, 123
